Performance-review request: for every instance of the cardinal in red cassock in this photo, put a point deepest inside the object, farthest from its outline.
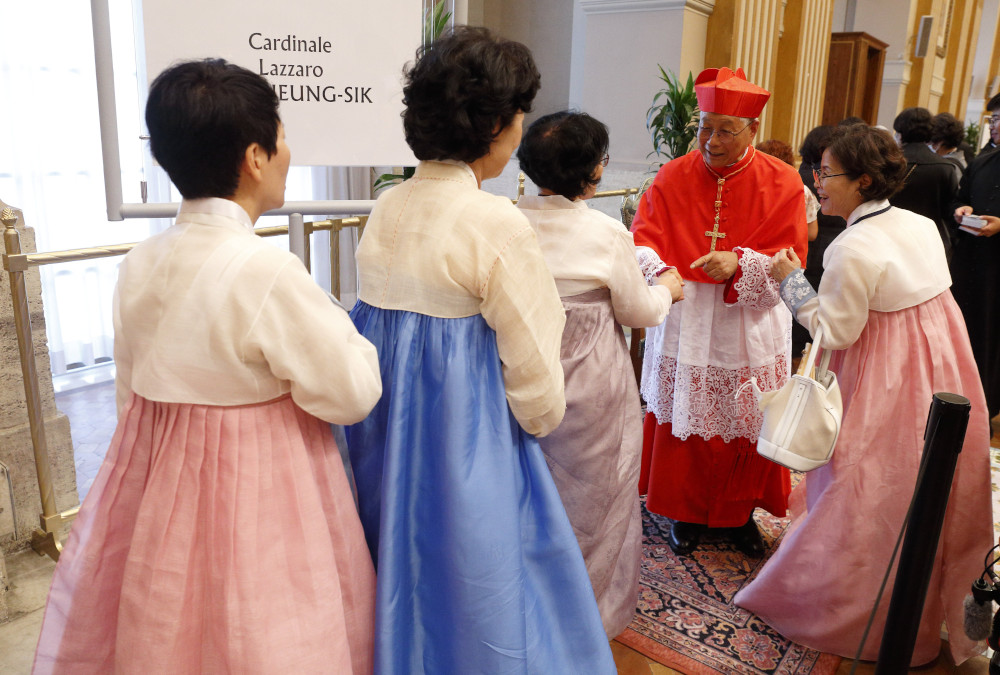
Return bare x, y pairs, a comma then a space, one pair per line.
717, 214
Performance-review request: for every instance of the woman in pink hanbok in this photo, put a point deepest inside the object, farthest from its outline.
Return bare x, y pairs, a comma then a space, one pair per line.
885, 303
220, 535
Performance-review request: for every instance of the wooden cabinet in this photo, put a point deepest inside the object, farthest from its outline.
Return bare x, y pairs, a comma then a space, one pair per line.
853, 77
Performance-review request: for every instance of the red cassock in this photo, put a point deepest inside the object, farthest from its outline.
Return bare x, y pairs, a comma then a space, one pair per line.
699, 451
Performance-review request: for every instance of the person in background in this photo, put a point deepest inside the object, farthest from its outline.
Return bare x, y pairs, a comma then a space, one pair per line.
930, 183
947, 134
884, 305
221, 534
592, 257
718, 213
975, 268
993, 123
478, 567
783, 151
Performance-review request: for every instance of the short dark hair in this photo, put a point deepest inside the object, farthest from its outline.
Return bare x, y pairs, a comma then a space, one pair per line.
861, 149
560, 152
853, 119
947, 129
812, 146
779, 149
202, 116
913, 125
463, 89
993, 103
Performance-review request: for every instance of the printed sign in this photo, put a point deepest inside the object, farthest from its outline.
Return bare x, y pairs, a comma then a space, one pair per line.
336, 66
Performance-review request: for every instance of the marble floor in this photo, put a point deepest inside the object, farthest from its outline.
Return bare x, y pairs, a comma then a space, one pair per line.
92, 417
91, 411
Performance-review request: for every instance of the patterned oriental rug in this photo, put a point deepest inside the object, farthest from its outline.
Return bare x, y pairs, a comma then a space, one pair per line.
686, 619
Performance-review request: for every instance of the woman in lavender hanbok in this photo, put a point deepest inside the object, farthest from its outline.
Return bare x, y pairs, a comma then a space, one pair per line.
595, 453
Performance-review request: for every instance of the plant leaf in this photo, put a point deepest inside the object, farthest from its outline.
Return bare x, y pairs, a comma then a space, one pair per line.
672, 117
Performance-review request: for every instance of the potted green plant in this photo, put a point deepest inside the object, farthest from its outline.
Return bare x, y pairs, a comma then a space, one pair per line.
972, 131
672, 119
435, 21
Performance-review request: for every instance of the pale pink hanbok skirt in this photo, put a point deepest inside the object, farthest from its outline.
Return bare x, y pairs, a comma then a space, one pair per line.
820, 586
214, 540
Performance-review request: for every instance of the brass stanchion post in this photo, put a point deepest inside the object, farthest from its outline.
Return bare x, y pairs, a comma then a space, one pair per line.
46, 539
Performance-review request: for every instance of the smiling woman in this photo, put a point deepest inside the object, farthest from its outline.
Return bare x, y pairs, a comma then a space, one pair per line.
884, 303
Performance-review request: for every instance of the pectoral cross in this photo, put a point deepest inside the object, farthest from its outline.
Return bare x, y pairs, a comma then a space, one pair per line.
714, 232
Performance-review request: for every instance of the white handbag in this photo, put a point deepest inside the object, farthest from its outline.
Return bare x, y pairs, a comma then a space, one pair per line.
802, 419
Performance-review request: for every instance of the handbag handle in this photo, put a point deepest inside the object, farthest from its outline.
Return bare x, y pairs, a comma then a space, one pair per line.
824, 364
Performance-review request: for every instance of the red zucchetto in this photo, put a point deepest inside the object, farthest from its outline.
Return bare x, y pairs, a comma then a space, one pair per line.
720, 90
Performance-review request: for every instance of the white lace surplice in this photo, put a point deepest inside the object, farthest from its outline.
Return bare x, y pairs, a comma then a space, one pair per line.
705, 350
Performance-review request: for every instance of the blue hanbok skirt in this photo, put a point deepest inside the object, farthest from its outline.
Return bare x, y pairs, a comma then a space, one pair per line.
478, 568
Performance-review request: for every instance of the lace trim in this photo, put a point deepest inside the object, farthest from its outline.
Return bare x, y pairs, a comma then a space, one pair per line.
796, 290
707, 401
649, 263
755, 289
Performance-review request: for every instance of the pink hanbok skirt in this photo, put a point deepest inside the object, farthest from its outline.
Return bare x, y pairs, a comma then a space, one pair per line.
820, 586
214, 540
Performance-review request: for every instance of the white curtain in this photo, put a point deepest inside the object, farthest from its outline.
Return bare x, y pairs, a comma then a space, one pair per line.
51, 167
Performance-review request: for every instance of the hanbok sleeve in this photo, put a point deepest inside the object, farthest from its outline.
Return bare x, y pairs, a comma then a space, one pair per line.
312, 343
635, 303
842, 302
520, 302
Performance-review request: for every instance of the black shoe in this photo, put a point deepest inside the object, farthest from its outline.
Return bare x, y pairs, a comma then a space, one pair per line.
684, 537
747, 539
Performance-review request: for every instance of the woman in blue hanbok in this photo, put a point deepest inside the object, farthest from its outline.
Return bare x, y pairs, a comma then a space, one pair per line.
478, 568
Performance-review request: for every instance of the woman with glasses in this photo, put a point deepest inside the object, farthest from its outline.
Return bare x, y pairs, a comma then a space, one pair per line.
592, 257
884, 304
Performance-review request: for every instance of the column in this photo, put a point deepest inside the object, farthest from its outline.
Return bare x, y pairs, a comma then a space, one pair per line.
745, 34
960, 35
799, 81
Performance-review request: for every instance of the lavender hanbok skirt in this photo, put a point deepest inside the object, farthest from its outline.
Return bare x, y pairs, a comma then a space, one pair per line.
595, 453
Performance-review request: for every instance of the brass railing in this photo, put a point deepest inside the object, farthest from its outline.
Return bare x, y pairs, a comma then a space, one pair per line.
46, 539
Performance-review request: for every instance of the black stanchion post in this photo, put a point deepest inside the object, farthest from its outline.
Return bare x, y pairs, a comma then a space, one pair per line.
943, 439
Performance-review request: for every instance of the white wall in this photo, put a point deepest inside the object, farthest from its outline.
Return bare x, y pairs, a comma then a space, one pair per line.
546, 28
617, 45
